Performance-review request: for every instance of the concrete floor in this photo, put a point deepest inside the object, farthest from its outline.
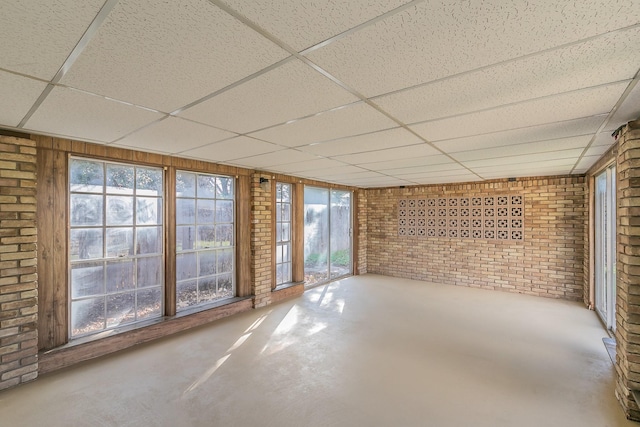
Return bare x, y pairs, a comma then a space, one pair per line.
364, 351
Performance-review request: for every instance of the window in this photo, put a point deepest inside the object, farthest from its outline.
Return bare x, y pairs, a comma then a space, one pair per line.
283, 233
115, 244
204, 239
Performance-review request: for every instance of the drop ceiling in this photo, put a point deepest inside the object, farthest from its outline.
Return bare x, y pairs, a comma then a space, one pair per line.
368, 93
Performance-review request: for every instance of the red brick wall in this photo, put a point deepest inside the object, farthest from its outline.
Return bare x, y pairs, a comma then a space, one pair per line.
18, 259
549, 262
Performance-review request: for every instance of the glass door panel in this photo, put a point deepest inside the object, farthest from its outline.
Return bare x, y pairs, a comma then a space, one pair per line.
316, 235
605, 246
340, 231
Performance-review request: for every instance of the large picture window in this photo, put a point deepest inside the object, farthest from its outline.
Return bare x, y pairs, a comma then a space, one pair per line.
283, 233
115, 244
204, 239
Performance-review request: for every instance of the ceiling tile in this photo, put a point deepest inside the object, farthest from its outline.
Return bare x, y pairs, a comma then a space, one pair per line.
597, 150
587, 161
442, 168
37, 37
173, 135
18, 95
304, 24
230, 149
574, 67
301, 168
448, 179
351, 120
291, 91
344, 172
572, 105
407, 163
628, 111
461, 36
412, 151
525, 149
545, 132
524, 159
397, 137
429, 173
81, 116
166, 57
282, 156
525, 167
604, 138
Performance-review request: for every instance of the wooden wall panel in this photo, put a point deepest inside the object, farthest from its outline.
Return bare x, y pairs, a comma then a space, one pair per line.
243, 236
297, 267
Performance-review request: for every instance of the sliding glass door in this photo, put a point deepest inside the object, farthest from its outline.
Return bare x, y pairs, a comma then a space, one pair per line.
327, 234
605, 246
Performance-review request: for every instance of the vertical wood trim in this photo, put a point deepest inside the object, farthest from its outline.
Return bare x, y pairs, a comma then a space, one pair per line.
243, 236
273, 234
60, 260
297, 208
170, 243
46, 266
355, 232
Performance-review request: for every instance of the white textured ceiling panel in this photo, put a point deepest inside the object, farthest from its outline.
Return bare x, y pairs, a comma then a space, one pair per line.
230, 149
628, 111
17, 95
339, 171
545, 132
586, 162
291, 91
408, 163
449, 179
524, 159
94, 118
173, 135
302, 24
597, 150
283, 156
456, 36
541, 170
572, 105
412, 151
564, 166
338, 123
166, 56
603, 139
576, 142
573, 67
447, 174
300, 168
38, 36
440, 168
390, 138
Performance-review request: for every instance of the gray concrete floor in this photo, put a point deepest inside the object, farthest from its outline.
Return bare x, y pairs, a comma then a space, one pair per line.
364, 351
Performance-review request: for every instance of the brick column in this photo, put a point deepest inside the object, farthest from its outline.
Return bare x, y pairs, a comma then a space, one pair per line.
362, 231
628, 269
18, 258
261, 241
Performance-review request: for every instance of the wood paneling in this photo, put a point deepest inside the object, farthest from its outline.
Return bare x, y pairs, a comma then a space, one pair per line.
297, 238
243, 236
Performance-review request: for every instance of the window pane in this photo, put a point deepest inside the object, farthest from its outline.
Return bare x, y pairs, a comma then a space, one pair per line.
86, 176
186, 294
148, 211
224, 235
225, 260
225, 286
185, 211
206, 208
224, 188
286, 212
119, 210
286, 193
87, 279
206, 186
119, 242
119, 179
149, 303
148, 240
206, 236
185, 184
285, 232
185, 238
286, 254
120, 276
224, 211
279, 278
121, 309
278, 254
148, 181
207, 263
186, 266
85, 243
87, 316
149, 272
207, 289
86, 210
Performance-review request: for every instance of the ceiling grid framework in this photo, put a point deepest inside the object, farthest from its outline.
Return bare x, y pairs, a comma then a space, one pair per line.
368, 93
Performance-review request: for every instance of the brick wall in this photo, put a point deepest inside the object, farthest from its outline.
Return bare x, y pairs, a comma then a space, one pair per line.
549, 262
18, 258
363, 229
628, 269
261, 268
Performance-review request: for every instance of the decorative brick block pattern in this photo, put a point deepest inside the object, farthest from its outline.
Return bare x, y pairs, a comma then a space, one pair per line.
628, 269
547, 261
497, 217
261, 243
18, 260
